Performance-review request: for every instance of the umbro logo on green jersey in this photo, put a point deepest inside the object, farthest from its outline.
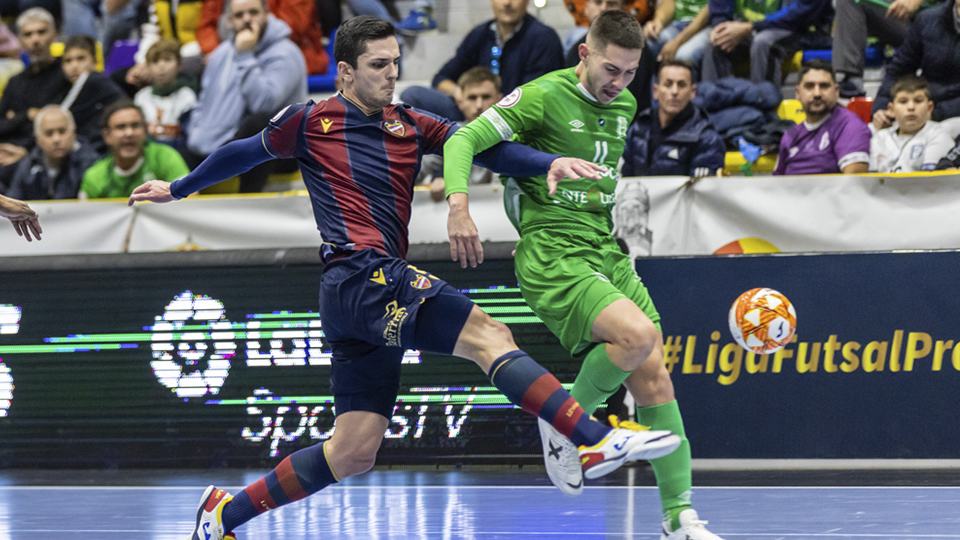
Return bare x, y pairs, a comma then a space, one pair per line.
577, 124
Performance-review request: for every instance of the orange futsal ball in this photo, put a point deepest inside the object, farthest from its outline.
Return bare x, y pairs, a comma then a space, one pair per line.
762, 320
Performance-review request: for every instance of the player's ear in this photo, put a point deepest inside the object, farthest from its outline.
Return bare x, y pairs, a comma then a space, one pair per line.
345, 70
583, 50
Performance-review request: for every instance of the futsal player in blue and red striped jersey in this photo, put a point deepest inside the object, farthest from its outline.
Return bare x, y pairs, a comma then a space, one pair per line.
359, 155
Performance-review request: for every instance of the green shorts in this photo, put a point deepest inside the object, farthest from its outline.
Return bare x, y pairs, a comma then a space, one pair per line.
569, 276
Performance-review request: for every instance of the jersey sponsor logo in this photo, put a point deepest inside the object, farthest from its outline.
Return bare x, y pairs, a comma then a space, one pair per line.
394, 128
378, 277
825, 141
577, 124
279, 114
325, 123
602, 122
396, 315
510, 99
421, 283
916, 150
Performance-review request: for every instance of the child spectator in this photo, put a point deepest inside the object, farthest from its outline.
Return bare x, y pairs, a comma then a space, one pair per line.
914, 143
169, 98
90, 92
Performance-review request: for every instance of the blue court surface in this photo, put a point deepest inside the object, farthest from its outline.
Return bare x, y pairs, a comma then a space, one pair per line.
488, 504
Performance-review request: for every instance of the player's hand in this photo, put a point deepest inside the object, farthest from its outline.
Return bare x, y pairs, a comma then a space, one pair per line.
465, 244
882, 119
25, 221
156, 191
572, 168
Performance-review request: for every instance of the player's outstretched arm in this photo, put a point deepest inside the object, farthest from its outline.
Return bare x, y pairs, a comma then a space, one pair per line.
25, 221
156, 191
231, 159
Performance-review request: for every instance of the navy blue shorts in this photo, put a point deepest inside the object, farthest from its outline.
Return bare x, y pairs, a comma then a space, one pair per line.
373, 308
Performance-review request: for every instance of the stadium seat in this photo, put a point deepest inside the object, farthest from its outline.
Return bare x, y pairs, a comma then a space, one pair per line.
874, 56
123, 55
325, 83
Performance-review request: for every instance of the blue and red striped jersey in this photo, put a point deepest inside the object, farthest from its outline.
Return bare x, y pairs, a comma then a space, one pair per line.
359, 169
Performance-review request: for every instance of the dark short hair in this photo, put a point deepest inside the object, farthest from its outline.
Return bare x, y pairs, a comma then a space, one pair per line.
817, 64
162, 48
685, 64
909, 83
478, 75
116, 107
353, 35
617, 28
81, 42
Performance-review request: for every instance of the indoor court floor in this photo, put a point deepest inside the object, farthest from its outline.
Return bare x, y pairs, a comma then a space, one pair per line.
482, 504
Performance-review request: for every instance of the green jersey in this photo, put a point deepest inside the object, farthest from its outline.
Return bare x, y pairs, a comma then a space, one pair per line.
160, 162
555, 114
686, 10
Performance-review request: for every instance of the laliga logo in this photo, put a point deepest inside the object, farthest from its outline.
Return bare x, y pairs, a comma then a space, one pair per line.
9, 324
192, 346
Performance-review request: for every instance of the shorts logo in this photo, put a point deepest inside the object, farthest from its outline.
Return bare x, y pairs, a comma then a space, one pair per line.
378, 277
421, 283
510, 99
394, 128
392, 332
325, 123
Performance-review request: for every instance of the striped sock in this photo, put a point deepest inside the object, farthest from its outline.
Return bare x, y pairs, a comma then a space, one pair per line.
527, 385
299, 475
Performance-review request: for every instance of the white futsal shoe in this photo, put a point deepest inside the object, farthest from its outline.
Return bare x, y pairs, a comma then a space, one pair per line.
627, 441
691, 528
209, 524
561, 459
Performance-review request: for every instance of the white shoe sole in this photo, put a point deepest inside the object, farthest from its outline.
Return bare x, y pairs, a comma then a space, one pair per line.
563, 482
649, 450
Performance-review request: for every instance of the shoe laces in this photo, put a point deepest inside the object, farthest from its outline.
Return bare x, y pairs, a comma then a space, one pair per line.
626, 424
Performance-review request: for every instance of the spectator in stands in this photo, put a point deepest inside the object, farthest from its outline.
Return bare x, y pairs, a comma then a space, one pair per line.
248, 79
640, 85
514, 45
55, 167
915, 143
855, 20
479, 90
299, 15
420, 18
25, 221
641, 9
91, 92
774, 32
674, 138
133, 160
42, 83
10, 62
679, 30
951, 161
933, 46
169, 98
118, 19
832, 139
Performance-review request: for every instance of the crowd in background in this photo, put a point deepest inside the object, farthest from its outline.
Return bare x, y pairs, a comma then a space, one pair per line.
207, 72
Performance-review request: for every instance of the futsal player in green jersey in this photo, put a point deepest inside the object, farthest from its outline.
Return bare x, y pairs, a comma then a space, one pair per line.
571, 271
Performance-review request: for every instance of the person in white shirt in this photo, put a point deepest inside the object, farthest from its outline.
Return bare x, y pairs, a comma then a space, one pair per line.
914, 142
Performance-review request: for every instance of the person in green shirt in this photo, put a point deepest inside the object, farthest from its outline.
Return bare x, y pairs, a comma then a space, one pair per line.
570, 269
132, 160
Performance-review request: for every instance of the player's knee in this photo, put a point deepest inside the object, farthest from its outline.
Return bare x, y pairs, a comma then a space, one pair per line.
637, 342
354, 457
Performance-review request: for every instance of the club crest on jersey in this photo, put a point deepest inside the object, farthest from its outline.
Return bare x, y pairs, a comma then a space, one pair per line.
510, 99
395, 128
421, 283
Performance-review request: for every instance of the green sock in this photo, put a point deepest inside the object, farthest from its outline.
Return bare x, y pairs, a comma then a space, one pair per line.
673, 470
599, 378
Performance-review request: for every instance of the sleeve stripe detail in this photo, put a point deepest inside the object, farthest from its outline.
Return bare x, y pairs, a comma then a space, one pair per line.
853, 157
264, 143
499, 124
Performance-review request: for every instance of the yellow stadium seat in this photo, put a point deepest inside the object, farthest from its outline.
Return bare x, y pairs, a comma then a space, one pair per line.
791, 109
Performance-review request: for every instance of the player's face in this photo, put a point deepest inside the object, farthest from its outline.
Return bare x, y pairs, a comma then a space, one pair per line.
594, 8
912, 110
373, 81
607, 72
476, 98
817, 92
509, 12
247, 14
36, 38
164, 70
675, 89
125, 134
76, 62
55, 137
